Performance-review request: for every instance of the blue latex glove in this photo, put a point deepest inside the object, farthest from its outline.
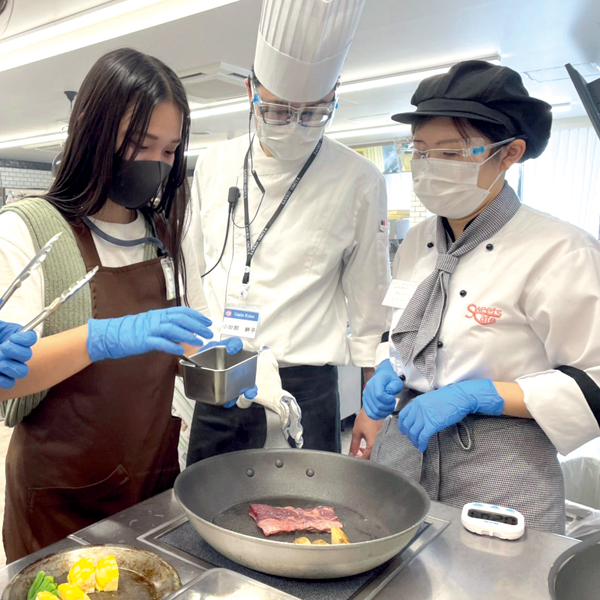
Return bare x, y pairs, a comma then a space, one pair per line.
379, 399
15, 351
232, 345
249, 393
7, 329
161, 330
431, 412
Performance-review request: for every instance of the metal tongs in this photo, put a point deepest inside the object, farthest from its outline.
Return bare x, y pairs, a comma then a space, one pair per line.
58, 302
33, 264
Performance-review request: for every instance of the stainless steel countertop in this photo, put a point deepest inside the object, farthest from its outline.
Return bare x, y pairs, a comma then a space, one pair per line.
455, 565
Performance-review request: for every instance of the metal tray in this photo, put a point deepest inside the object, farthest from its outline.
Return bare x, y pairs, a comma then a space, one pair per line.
143, 575
221, 584
214, 377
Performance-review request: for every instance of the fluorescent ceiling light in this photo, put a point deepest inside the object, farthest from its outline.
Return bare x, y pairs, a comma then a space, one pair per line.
93, 17
562, 107
400, 78
386, 130
196, 151
96, 26
222, 109
352, 86
35, 140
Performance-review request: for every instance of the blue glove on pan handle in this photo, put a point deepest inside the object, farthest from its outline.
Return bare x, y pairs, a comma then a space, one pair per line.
379, 398
432, 412
15, 351
162, 330
233, 346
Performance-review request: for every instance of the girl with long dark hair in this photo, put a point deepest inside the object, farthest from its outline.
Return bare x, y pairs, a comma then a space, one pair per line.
94, 435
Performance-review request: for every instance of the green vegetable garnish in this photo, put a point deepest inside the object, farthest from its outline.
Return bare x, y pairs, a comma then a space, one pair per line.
42, 583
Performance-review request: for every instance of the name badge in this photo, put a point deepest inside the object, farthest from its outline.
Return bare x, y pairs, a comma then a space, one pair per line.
168, 267
399, 293
241, 322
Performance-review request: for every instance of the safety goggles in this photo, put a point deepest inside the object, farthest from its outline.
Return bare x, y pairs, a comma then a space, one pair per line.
467, 150
280, 114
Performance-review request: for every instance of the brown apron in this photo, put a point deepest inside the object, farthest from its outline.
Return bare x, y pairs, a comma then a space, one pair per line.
102, 440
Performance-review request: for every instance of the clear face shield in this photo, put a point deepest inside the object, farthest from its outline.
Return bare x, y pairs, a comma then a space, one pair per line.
291, 132
446, 176
280, 114
470, 150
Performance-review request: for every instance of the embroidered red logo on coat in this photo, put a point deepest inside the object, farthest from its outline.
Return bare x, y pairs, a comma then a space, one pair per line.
484, 315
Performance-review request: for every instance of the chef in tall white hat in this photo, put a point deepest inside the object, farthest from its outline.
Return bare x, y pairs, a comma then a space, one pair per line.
302, 46
290, 228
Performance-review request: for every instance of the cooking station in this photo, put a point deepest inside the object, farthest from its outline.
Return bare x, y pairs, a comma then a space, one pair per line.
444, 562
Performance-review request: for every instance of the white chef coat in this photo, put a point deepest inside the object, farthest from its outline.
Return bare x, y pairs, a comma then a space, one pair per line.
532, 304
323, 263
17, 249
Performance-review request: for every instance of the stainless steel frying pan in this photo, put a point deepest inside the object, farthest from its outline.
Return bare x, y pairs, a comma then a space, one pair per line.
380, 508
575, 574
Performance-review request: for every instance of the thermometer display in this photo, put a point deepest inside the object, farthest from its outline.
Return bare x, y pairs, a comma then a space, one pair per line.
495, 521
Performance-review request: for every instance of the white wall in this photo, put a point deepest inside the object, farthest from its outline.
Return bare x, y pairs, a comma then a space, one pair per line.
399, 190
12, 177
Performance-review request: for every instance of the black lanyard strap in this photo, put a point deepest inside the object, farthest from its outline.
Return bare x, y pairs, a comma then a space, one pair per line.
251, 249
118, 242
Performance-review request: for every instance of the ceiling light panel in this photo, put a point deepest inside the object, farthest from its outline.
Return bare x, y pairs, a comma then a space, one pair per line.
96, 26
401, 78
36, 140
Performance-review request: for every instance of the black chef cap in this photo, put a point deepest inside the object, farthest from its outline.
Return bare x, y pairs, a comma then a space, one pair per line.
479, 91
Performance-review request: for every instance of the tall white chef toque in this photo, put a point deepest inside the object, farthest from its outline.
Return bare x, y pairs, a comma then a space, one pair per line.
302, 45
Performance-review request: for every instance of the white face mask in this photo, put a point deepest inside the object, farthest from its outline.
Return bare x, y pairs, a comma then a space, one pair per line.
288, 142
448, 188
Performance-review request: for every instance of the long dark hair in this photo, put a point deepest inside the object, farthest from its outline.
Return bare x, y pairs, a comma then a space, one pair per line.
122, 80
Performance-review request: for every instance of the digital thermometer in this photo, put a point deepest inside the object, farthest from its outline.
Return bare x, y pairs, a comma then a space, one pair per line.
495, 521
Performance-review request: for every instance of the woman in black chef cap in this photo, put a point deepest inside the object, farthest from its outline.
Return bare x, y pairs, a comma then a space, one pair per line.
495, 353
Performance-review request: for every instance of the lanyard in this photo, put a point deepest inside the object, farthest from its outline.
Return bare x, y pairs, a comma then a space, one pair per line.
251, 249
117, 242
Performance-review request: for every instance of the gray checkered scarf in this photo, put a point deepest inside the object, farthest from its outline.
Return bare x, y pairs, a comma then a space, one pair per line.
415, 337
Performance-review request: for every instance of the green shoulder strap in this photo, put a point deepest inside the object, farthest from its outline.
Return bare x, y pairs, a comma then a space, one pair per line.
62, 267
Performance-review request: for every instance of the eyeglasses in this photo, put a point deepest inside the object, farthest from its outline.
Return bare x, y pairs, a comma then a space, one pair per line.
284, 114
463, 150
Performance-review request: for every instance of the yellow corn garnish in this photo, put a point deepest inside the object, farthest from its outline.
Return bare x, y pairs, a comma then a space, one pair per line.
107, 575
338, 536
67, 591
45, 596
83, 575
303, 541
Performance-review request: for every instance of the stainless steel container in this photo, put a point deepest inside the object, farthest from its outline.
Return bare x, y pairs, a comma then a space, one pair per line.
214, 377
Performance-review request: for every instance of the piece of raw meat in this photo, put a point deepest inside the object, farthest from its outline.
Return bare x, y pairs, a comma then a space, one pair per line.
278, 519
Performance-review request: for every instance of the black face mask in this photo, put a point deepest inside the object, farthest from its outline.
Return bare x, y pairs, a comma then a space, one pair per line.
136, 183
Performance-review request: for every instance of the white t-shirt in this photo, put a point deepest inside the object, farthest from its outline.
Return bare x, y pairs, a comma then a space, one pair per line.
17, 249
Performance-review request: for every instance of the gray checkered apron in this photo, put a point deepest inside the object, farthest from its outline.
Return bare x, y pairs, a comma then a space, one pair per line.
501, 460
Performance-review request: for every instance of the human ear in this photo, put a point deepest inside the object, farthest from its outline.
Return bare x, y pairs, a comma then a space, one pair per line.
513, 153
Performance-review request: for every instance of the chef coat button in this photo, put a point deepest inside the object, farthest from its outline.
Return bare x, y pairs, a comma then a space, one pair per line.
489, 247
403, 377
430, 245
463, 293
440, 344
